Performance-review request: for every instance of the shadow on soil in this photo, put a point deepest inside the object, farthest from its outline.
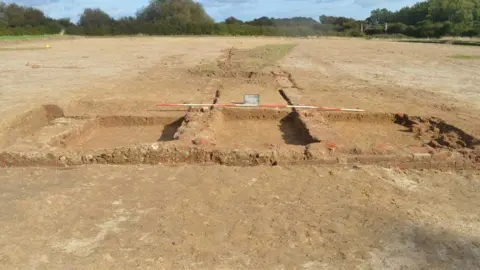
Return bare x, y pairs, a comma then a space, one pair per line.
294, 131
170, 130
400, 242
448, 249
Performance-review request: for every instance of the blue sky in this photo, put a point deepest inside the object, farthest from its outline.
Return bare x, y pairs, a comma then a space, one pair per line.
221, 9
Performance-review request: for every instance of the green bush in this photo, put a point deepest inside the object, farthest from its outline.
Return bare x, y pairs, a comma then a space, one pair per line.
354, 33
374, 31
397, 28
388, 36
5, 31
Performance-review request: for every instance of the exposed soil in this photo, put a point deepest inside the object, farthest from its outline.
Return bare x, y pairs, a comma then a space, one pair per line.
233, 90
113, 132
301, 189
383, 76
394, 131
27, 123
243, 137
174, 217
442, 135
370, 135
253, 71
249, 63
247, 128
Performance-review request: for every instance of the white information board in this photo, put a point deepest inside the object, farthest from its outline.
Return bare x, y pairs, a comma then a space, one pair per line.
253, 100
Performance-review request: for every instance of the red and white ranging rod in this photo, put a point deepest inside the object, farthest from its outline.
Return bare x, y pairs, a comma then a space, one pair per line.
261, 106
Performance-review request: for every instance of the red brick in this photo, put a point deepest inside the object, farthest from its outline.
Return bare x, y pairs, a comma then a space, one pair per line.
383, 148
421, 156
421, 149
403, 158
372, 159
442, 155
201, 141
331, 146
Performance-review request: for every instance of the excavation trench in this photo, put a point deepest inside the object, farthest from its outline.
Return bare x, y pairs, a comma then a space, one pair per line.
258, 128
87, 133
242, 137
121, 131
28, 123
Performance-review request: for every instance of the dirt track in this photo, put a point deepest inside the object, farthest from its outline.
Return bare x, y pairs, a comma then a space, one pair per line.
101, 95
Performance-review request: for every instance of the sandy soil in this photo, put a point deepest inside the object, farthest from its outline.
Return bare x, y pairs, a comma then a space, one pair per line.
264, 133
152, 70
421, 79
111, 137
204, 217
194, 217
365, 135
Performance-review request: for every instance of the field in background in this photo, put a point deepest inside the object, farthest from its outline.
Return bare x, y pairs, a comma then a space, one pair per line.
27, 37
465, 42
91, 101
468, 57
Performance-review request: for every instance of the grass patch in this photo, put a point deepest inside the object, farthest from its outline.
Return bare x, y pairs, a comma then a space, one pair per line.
26, 37
461, 56
387, 36
236, 61
444, 41
25, 49
267, 55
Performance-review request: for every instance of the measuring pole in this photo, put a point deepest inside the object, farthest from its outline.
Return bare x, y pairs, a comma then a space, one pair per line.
260, 106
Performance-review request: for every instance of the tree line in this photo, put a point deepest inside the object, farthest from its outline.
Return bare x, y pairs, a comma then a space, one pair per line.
19, 20
432, 18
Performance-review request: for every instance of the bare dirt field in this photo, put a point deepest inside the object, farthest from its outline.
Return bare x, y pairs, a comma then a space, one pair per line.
95, 176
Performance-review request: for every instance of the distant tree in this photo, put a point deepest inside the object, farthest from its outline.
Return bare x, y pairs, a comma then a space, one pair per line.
174, 10
338, 21
457, 11
381, 16
232, 20
324, 19
406, 15
65, 22
95, 22
3, 8
173, 17
476, 28
15, 15
34, 17
295, 22
3, 15
351, 25
430, 18
262, 21
418, 12
426, 28
427, 18
397, 28
126, 25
